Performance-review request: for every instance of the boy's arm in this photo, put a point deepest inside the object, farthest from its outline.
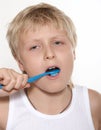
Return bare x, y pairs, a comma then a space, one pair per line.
4, 103
95, 103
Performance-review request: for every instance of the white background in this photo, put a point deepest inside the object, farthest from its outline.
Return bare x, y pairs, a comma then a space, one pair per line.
86, 15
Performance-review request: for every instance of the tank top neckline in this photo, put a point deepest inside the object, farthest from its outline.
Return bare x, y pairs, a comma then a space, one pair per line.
46, 116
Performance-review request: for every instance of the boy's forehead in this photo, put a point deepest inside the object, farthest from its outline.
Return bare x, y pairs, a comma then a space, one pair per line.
45, 29
42, 28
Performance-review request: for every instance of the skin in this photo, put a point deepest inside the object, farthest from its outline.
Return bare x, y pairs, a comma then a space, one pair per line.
39, 50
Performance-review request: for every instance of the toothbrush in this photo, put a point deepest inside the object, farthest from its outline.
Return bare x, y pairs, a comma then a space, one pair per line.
51, 72
34, 78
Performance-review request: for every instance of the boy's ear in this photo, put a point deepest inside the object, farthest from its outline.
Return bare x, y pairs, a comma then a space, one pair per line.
20, 65
74, 54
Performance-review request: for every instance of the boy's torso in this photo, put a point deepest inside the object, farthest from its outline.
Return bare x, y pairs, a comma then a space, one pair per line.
33, 118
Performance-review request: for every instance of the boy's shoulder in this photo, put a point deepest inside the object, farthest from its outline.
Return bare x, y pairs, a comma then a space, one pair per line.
4, 106
95, 99
95, 103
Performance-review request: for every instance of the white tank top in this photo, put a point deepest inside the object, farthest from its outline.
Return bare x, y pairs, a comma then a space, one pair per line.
22, 116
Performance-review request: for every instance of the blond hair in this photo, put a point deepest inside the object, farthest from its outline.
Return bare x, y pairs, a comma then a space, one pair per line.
34, 17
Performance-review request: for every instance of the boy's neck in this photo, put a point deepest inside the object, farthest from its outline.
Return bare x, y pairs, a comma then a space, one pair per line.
50, 103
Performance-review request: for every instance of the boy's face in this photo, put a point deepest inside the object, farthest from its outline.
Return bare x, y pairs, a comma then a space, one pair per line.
45, 48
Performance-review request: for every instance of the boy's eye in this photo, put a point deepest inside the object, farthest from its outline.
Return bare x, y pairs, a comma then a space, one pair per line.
35, 47
58, 43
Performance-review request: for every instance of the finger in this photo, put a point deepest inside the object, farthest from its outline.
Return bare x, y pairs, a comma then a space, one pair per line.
19, 81
24, 82
6, 93
5, 77
8, 86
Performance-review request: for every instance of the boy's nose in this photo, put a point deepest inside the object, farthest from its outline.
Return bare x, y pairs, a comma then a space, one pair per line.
49, 57
49, 53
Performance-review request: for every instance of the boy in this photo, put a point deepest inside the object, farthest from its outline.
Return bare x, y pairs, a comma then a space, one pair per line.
42, 38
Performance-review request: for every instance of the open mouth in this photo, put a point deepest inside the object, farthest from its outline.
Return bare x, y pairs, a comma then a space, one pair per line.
53, 69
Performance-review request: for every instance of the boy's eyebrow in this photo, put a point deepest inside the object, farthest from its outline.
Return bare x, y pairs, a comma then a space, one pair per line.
59, 36
50, 38
40, 39
31, 41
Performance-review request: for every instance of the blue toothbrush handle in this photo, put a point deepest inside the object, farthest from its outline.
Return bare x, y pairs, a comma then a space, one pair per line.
34, 78
1, 86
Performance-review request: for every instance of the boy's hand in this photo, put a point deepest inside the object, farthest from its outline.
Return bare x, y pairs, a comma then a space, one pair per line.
12, 81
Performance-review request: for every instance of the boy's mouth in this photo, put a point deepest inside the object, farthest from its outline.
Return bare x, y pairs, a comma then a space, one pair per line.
52, 69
